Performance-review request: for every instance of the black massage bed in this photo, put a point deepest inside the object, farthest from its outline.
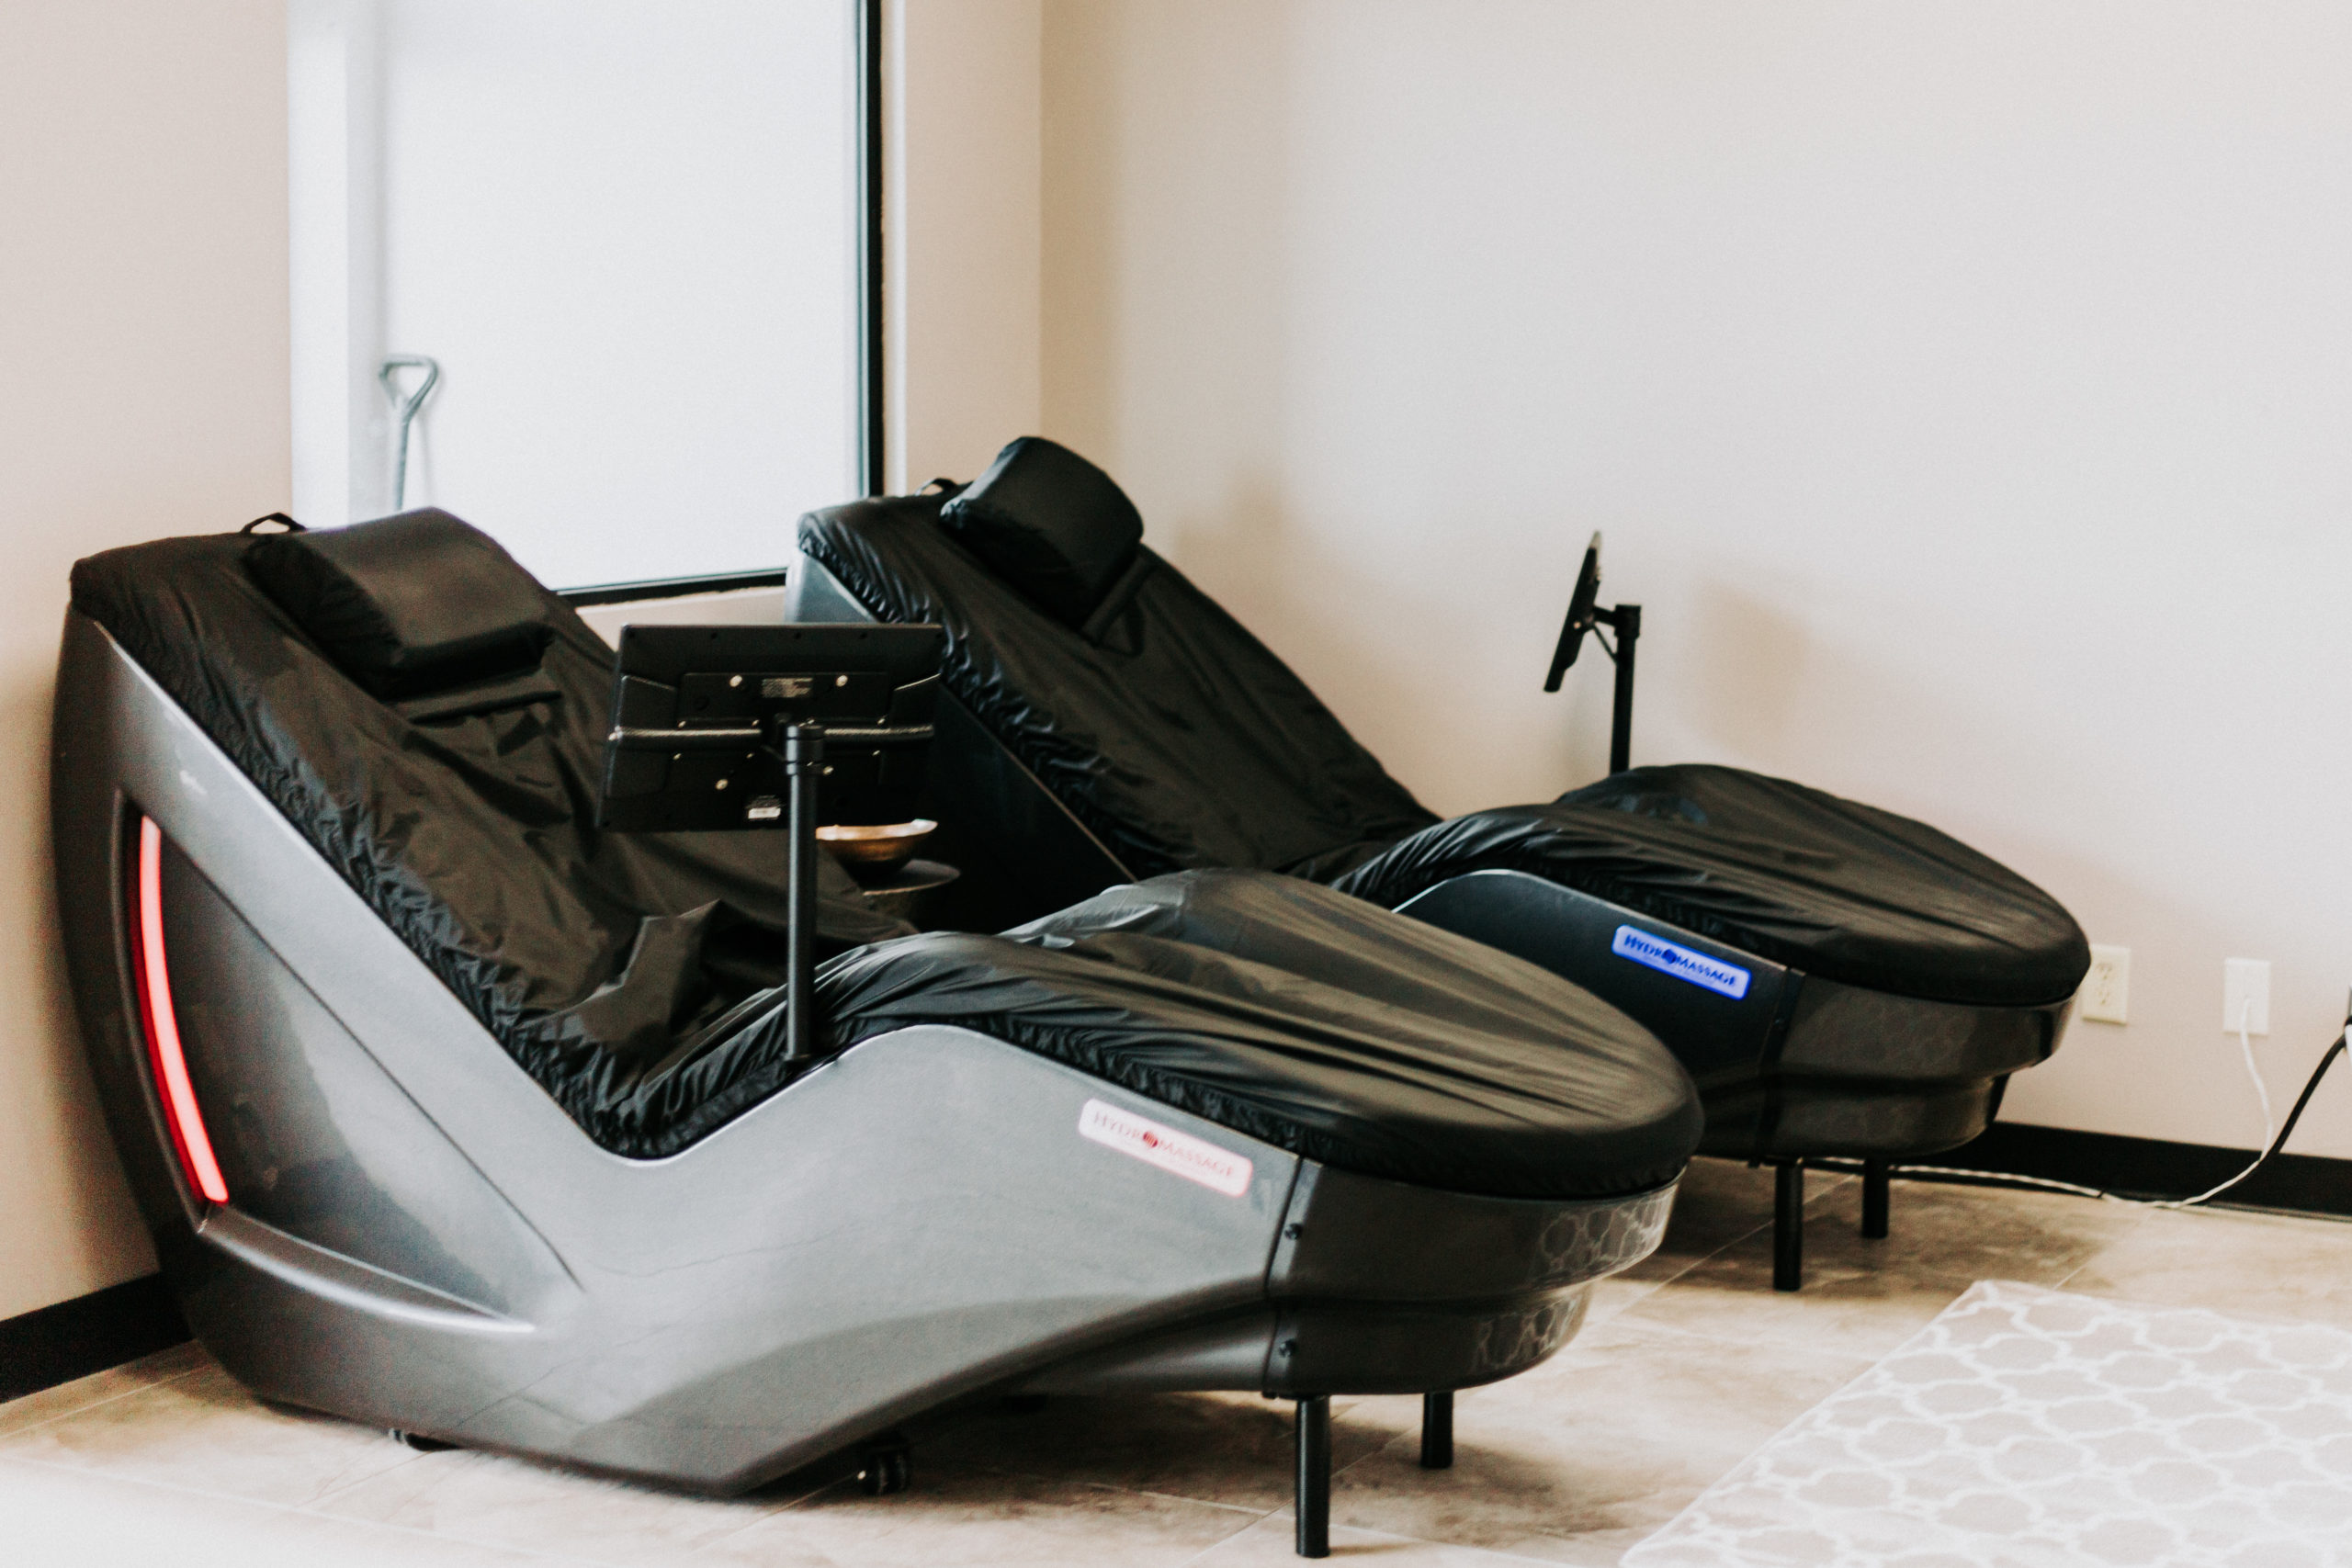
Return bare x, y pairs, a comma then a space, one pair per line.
452, 1113
1842, 982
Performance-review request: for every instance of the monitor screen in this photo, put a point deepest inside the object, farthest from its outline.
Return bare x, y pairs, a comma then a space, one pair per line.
695, 709
1582, 604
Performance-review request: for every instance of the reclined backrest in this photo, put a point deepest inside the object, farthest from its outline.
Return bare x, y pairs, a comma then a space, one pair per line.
431, 719
1169, 730
635, 977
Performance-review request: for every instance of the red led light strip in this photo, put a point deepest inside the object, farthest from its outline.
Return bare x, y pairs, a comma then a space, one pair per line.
154, 979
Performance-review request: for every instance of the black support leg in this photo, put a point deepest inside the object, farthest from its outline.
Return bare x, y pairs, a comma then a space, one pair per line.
1315, 1475
1877, 1179
1437, 1431
1788, 1225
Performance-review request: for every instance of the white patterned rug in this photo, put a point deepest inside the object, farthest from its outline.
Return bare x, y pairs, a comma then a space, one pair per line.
2031, 1429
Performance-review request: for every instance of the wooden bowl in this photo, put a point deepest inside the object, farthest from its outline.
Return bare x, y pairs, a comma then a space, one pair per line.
882, 846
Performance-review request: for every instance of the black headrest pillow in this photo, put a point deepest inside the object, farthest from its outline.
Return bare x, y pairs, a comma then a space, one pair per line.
1050, 524
409, 604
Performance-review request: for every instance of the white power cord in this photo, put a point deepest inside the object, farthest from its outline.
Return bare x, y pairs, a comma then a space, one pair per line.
2270, 1118
2272, 1139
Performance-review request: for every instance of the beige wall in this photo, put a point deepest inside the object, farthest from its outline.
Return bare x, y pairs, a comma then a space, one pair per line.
962, 236
142, 392
1964, 389
142, 173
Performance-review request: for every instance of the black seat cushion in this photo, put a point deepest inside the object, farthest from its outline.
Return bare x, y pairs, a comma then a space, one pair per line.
1313, 1021
1177, 738
1830, 886
1050, 524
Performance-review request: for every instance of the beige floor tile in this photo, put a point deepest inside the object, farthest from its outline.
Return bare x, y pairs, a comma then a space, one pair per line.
957, 1514
1598, 1445
1272, 1541
61, 1518
1686, 1365
1214, 1448
1613, 1296
98, 1388
2259, 1265
1844, 1309
512, 1503
1965, 1232
1719, 1202
203, 1432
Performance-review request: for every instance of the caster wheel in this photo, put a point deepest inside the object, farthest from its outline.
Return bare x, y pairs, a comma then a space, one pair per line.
420, 1442
884, 1472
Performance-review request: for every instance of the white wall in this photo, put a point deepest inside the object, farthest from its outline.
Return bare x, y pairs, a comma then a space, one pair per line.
626, 231
961, 219
142, 173
1964, 389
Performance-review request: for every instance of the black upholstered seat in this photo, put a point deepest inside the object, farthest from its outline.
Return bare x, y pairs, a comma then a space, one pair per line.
635, 977
1181, 740
1833, 888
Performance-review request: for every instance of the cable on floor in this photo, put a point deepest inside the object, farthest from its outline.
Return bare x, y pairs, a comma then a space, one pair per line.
2340, 1046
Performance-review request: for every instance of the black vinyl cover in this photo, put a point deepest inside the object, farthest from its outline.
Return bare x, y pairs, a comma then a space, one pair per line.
1830, 886
1177, 738
409, 603
1181, 740
1049, 523
637, 977
602, 961
1315, 1023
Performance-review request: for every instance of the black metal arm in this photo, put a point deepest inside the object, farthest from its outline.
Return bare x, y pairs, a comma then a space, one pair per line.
803, 751
747, 738
1626, 620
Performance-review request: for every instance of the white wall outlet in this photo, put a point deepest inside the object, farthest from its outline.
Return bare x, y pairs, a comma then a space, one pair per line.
2106, 990
2245, 995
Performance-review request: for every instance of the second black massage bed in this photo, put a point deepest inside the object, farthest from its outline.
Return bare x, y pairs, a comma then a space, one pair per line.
1841, 981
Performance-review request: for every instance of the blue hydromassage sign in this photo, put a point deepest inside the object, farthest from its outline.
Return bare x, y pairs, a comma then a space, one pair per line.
1682, 963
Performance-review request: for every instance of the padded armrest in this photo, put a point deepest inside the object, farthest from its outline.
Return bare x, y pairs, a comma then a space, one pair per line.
409, 606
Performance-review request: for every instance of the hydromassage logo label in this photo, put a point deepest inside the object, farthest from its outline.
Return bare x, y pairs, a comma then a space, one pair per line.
1682, 963
1220, 1170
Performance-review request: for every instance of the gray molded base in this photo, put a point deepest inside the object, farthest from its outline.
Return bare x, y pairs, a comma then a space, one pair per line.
419, 1238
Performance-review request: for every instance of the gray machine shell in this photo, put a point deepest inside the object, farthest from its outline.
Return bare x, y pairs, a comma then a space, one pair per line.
419, 1239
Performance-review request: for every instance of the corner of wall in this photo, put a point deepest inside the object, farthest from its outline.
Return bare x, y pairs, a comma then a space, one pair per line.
965, 234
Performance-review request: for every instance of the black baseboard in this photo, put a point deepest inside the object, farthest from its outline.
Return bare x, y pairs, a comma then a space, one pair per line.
2151, 1168
89, 1334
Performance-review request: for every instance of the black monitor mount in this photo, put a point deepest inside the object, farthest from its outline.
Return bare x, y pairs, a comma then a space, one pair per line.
1585, 614
700, 711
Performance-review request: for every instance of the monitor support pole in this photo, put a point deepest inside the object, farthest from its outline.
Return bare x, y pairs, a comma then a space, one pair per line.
804, 759
799, 745
1626, 619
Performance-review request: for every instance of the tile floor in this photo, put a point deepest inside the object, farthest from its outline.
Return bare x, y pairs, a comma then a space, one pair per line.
1688, 1363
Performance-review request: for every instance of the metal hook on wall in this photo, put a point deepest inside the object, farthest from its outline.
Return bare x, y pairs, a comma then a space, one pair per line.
405, 409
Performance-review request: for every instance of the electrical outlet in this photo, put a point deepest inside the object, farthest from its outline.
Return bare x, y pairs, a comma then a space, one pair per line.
2245, 994
2106, 990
